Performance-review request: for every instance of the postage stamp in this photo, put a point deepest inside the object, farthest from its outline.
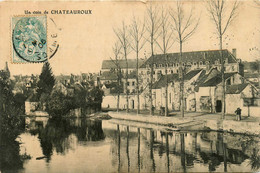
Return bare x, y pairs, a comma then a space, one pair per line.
29, 39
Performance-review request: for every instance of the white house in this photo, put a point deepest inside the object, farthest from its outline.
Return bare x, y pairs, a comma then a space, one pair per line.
244, 96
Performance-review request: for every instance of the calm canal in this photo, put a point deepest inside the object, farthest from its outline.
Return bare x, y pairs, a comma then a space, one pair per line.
84, 145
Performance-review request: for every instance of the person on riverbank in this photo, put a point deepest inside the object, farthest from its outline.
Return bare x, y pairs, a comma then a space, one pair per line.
238, 114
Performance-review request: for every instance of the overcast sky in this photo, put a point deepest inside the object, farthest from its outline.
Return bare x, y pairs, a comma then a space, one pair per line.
86, 40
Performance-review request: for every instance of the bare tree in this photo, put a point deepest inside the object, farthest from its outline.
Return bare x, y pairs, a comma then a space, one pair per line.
123, 37
166, 38
137, 31
222, 18
152, 28
116, 51
184, 27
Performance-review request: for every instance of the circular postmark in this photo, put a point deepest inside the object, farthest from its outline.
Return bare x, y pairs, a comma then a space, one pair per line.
30, 38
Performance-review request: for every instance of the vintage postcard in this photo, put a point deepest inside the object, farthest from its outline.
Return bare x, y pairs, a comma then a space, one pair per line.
130, 86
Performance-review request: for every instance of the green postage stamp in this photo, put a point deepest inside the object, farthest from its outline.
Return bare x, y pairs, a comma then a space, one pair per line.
29, 39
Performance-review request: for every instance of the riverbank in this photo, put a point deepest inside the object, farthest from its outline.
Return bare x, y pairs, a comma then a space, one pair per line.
195, 121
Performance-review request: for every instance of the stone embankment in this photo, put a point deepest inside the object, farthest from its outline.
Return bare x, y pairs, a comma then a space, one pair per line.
194, 121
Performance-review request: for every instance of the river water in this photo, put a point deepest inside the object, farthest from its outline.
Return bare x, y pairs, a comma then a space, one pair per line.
84, 145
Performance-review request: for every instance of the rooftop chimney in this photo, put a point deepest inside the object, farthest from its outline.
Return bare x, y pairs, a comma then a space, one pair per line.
234, 52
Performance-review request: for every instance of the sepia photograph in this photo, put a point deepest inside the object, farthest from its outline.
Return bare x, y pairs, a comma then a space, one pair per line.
129, 86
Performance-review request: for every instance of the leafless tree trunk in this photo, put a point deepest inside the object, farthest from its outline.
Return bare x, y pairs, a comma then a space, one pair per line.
167, 41
184, 27
137, 31
123, 37
116, 50
222, 20
152, 27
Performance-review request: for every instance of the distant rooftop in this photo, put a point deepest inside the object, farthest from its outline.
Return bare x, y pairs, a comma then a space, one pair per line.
108, 64
195, 56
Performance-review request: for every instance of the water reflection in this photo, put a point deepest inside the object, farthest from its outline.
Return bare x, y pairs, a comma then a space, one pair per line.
186, 152
124, 148
55, 134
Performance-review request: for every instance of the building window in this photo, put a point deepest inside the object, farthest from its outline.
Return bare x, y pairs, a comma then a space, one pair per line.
228, 82
133, 83
177, 64
127, 83
201, 63
171, 71
233, 68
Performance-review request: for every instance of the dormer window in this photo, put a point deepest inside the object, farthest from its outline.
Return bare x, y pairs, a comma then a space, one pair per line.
201, 63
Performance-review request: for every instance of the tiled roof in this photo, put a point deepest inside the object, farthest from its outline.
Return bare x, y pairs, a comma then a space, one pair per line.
111, 85
216, 80
108, 64
191, 74
195, 56
236, 89
251, 75
162, 81
108, 75
174, 77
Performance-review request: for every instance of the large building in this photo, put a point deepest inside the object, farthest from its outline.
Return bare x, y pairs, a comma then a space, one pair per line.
191, 61
108, 73
202, 81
